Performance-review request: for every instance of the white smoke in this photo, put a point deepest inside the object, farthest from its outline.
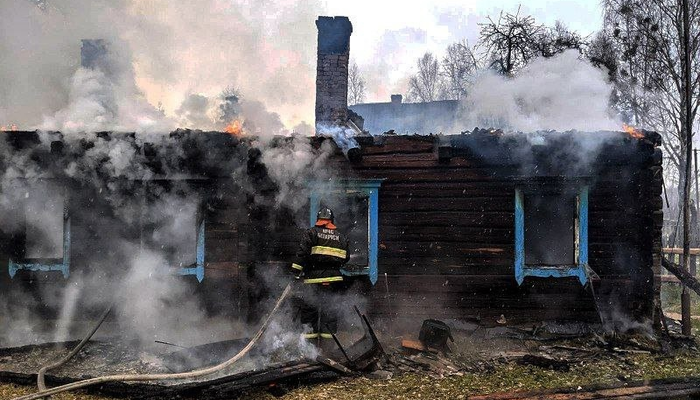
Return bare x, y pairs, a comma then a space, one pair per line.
148, 229
558, 93
156, 305
96, 103
67, 313
168, 49
344, 137
291, 164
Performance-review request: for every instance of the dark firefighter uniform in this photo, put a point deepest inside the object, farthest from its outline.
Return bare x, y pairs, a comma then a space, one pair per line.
322, 252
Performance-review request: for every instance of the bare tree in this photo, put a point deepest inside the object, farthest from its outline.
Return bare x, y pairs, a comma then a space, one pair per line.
634, 77
458, 68
356, 85
663, 89
552, 41
665, 35
510, 42
426, 84
602, 52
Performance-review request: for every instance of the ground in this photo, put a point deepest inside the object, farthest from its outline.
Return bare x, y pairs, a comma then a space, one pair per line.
591, 361
507, 376
670, 298
498, 376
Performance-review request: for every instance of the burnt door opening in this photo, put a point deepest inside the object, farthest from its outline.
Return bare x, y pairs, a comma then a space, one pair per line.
550, 233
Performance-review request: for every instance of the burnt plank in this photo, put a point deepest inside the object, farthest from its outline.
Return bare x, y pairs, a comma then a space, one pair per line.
463, 203
440, 218
402, 144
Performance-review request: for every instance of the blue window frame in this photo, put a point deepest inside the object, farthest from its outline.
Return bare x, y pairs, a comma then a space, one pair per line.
368, 188
197, 269
61, 265
578, 269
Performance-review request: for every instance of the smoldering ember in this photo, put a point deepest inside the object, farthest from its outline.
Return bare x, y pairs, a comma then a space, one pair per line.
391, 251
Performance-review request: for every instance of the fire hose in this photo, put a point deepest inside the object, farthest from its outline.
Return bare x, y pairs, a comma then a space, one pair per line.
171, 376
40, 383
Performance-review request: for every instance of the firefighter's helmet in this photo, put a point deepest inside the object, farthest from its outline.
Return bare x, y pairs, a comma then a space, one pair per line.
325, 213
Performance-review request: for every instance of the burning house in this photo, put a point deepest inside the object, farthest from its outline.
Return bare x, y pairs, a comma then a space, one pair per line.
484, 225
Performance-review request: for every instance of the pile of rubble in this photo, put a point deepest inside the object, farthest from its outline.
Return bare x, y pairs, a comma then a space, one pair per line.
549, 346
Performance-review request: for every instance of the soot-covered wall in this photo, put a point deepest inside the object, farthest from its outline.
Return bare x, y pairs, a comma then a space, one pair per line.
446, 216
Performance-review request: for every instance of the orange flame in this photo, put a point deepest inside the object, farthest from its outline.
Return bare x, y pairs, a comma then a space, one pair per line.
11, 127
235, 128
633, 132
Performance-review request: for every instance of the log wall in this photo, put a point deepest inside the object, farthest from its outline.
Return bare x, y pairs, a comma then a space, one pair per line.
446, 227
446, 232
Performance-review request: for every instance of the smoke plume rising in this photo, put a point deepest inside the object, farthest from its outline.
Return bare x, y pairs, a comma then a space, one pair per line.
558, 93
133, 201
165, 51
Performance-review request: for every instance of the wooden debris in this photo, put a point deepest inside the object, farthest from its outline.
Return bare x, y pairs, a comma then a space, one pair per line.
334, 365
659, 389
684, 276
416, 345
630, 351
569, 348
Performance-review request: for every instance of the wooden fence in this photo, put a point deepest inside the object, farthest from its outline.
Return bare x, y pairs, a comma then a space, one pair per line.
675, 254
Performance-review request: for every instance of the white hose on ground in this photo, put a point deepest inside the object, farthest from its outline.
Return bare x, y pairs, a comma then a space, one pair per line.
40, 383
171, 376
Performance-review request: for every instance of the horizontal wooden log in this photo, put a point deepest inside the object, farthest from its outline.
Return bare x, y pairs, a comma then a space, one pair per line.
447, 249
232, 235
487, 315
439, 218
401, 144
464, 203
434, 175
429, 234
694, 251
435, 283
448, 268
447, 189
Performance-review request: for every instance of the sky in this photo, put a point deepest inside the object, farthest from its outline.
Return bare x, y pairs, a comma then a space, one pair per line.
388, 36
175, 52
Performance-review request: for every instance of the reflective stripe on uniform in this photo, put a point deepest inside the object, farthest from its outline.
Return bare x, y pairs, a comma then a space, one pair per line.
297, 266
324, 280
318, 335
328, 251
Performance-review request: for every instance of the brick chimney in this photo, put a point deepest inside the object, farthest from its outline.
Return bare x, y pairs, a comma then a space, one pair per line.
332, 70
93, 54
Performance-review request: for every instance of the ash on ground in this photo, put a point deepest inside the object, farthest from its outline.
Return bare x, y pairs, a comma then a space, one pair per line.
101, 358
551, 346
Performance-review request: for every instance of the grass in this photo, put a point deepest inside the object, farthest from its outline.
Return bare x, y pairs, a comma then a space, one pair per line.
9, 391
505, 377
605, 369
671, 302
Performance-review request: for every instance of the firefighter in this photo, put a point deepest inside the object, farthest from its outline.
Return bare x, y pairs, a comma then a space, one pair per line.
322, 252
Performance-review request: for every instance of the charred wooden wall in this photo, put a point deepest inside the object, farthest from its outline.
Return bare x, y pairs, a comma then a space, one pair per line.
446, 227
446, 222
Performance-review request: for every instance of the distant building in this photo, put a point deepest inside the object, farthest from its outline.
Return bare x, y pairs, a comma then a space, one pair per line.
430, 117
